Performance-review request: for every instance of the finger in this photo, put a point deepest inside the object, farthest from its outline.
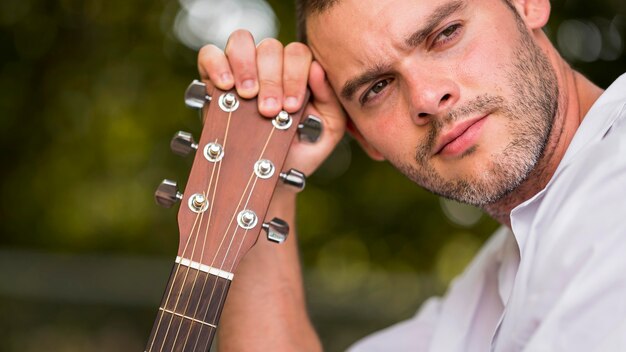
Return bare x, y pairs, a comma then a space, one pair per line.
213, 66
270, 70
241, 53
320, 87
326, 104
297, 57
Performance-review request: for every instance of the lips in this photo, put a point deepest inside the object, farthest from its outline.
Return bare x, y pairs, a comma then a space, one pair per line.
460, 137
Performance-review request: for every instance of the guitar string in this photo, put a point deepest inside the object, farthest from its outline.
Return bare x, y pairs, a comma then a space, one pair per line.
215, 258
182, 287
223, 290
203, 248
217, 253
184, 280
219, 167
194, 248
189, 238
250, 195
177, 267
202, 254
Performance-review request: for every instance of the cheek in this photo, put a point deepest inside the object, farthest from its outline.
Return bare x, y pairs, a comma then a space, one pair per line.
388, 133
484, 60
377, 131
478, 65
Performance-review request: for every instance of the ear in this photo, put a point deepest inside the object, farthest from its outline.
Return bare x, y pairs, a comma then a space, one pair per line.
369, 149
535, 13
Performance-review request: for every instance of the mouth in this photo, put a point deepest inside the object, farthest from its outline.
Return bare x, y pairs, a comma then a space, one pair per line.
460, 137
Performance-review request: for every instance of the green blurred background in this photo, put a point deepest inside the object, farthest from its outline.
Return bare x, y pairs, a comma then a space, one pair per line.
91, 93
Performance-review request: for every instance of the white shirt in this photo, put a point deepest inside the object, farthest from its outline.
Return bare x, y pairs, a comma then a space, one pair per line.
557, 281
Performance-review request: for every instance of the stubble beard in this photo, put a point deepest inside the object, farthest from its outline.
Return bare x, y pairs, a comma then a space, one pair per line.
530, 116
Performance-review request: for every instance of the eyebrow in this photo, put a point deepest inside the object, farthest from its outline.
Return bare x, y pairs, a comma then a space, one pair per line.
412, 41
440, 14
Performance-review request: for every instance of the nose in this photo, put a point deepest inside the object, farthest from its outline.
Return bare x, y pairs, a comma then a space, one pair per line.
430, 96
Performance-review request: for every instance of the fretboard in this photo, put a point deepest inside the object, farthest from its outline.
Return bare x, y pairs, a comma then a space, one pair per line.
190, 308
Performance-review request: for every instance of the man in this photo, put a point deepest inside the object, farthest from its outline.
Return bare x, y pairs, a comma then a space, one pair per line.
469, 99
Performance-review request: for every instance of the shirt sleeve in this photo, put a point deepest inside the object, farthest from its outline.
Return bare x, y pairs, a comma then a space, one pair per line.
410, 335
448, 318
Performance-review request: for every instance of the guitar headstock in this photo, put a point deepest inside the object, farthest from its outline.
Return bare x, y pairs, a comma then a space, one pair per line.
237, 165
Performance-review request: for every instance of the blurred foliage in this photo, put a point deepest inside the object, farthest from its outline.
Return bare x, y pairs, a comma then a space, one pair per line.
90, 94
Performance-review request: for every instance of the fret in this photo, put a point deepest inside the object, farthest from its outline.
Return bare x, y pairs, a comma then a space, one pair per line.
186, 317
190, 310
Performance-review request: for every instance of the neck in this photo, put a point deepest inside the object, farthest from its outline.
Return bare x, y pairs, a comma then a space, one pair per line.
576, 96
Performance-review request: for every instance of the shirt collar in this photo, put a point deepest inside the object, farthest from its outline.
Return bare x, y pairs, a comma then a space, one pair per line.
593, 128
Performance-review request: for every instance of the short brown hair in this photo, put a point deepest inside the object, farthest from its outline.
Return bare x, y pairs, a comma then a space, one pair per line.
305, 8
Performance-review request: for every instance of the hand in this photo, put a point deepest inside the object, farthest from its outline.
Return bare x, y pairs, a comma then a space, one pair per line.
278, 76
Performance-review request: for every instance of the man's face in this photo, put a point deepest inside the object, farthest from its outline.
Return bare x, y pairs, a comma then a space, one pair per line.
454, 93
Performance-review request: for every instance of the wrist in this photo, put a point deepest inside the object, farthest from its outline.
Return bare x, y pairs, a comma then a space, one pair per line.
283, 201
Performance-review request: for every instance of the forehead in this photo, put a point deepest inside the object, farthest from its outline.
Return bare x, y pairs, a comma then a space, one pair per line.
354, 34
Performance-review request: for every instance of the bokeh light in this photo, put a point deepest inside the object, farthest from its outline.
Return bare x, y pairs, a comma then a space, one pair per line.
459, 213
201, 22
591, 40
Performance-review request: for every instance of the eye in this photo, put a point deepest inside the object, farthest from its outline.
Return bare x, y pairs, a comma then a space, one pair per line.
447, 34
375, 90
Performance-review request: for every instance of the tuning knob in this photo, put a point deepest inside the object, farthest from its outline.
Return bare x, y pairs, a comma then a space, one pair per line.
310, 129
294, 178
277, 230
183, 143
195, 95
167, 194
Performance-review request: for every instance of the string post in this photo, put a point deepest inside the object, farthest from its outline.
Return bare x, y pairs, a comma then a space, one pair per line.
213, 152
228, 102
247, 219
282, 121
198, 203
264, 168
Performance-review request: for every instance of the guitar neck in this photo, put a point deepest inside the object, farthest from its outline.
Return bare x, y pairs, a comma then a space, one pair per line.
190, 309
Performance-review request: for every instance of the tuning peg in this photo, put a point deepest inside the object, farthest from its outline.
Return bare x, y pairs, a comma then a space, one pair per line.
183, 143
294, 178
167, 194
277, 230
310, 129
195, 95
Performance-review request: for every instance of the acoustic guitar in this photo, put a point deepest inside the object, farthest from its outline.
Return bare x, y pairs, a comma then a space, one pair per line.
237, 165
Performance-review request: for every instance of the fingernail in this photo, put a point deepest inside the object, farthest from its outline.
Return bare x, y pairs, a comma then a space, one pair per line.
247, 84
291, 102
270, 103
226, 77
